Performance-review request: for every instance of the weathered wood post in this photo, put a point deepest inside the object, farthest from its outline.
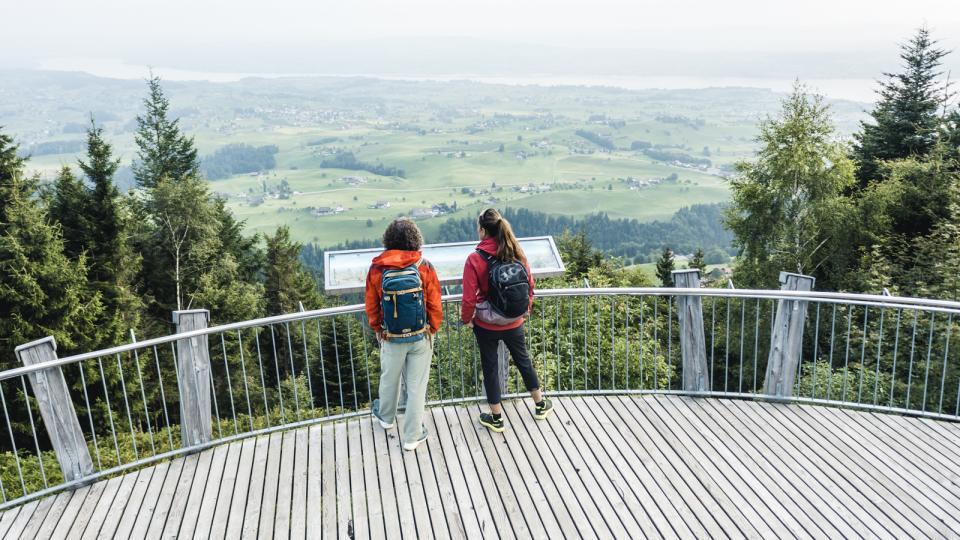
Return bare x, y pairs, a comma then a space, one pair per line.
56, 408
693, 348
193, 378
786, 341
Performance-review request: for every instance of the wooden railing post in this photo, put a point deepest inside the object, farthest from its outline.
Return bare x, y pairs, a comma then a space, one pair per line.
56, 408
693, 348
786, 339
193, 378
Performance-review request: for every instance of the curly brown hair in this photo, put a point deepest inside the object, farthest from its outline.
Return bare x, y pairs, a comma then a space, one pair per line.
402, 233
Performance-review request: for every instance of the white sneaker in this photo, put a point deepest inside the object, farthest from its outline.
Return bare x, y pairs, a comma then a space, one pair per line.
375, 411
412, 445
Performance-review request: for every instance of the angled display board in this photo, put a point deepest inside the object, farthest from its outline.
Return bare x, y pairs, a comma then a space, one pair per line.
346, 271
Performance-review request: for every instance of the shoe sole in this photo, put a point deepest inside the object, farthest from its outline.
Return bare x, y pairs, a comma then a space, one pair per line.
544, 415
385, 425
414, 446
493, 428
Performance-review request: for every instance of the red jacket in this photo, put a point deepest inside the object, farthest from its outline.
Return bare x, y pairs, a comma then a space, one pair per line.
476, 284
396, 258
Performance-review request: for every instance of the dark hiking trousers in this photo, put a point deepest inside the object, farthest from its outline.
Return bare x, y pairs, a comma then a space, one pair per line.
487, 341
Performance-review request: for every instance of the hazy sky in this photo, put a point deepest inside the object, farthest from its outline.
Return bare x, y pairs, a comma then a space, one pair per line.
300, 35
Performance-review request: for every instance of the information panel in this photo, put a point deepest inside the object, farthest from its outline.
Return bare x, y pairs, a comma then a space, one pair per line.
346, 271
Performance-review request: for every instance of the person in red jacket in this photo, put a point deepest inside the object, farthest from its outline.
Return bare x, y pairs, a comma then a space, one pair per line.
498, 242
404, 354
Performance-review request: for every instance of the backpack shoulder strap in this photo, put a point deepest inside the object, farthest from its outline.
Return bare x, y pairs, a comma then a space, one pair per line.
486, 256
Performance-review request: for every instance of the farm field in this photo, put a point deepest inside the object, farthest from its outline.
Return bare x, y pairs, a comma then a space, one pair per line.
442, 149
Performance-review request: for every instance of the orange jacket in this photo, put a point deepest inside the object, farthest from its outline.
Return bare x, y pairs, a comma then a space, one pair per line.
396, 258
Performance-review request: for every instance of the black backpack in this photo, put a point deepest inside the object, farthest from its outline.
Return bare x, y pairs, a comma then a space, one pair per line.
509, 286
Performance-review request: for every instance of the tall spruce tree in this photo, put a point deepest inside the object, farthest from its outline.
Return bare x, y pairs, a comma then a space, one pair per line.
665, 267
42, 291
907, 118
163, 150
69, 206
698, 262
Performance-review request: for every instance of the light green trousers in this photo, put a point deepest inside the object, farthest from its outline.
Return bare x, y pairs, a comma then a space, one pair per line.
412, 361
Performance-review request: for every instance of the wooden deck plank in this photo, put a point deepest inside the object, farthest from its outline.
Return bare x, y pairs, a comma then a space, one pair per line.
660, 465
676, 460
371, 479
284, 506
667, 511
738, 484
854, 488
174, 482
931, 505
344, 520
78, 513
418, 501
23, 518
593, 492
632, 510
358, 486
112, 489
408, 527
52, 510
432, 497
7, 519
462, 496
821, 506
328, 493
139, 514
271, 486
252, 496
480, 453
192, 481
316, 470
532, 489
203, 496
897, 450
112, 521
228, 514
585, 517
781, 498
301, 471
862, 517
388, 491
918, 445
448, 501
885, 488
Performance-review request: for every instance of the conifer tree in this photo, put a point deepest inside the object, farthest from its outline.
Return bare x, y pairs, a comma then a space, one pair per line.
69, 206
665, 267
287, 281
163, 150
698, 262
42, 291
907, 117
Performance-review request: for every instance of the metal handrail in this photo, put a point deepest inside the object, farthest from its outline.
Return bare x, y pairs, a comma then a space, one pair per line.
892, 302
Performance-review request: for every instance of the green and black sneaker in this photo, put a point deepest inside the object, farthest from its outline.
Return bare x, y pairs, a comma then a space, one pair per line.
493, 422
544, 408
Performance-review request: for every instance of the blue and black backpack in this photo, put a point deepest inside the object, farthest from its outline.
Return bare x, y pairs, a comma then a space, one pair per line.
404, 312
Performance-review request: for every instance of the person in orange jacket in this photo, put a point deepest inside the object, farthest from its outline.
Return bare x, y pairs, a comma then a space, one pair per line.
404, 310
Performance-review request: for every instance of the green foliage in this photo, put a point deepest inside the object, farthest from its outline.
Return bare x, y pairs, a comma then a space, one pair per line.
42, 291
665, 267
163, 151
906, 120
699, 262
239, 158
789, 211
287, 282
346, 160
